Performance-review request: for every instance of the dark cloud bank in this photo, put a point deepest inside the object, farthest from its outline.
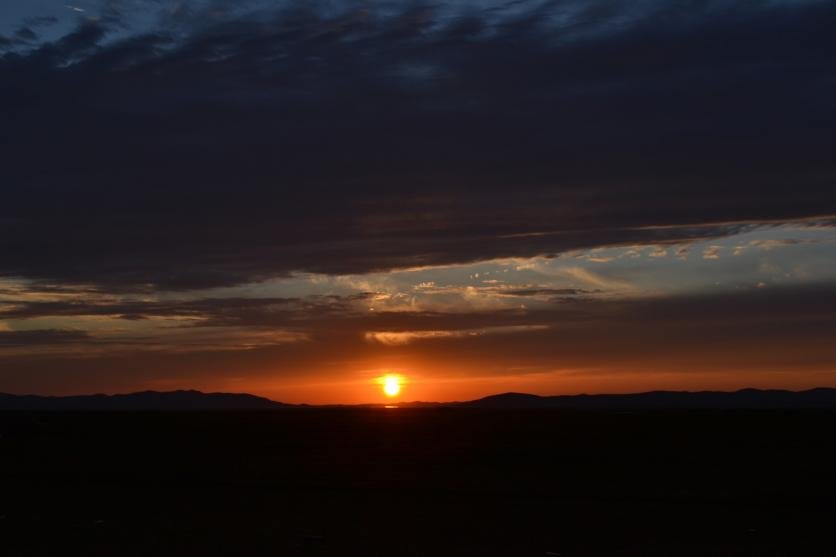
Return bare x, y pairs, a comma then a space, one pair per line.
372, 139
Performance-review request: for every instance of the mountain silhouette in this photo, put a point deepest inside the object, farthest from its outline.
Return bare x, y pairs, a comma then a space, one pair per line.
196, 400
742, 399
146, 400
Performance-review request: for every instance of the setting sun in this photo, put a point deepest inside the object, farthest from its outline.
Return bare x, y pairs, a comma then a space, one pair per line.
391, 385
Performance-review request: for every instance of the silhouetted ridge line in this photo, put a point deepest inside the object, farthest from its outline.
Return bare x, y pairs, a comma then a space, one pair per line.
146, 400
820, 398
742, 399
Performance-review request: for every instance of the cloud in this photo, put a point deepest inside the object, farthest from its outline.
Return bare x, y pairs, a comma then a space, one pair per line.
736, 336
26, 34
547, 292
592, 279
39, 337
206, 311
40, 21
399, 338
225, 149
768, 245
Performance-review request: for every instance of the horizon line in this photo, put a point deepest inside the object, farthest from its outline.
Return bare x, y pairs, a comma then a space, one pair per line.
408, 402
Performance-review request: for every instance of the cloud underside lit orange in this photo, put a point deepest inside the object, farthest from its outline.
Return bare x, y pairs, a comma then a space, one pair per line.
761, 339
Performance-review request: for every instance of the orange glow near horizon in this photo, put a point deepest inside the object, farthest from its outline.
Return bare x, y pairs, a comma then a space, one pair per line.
454, 384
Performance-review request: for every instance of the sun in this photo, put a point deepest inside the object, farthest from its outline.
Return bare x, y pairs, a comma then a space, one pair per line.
391, 384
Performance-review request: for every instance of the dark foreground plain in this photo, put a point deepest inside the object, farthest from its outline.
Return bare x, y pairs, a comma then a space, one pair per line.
418, 482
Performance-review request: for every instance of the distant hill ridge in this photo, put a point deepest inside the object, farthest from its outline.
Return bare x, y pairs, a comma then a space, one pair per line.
742, 399
146, 400
820, 398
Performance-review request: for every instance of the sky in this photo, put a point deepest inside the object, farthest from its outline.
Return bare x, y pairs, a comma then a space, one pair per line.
293, 199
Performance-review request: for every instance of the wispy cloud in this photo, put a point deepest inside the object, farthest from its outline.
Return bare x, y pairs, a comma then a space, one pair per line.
399, 338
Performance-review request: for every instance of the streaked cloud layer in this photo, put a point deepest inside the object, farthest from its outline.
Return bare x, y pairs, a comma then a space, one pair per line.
269, 196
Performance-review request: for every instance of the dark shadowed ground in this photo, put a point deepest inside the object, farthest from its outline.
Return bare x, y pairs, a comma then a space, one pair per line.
418, 482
